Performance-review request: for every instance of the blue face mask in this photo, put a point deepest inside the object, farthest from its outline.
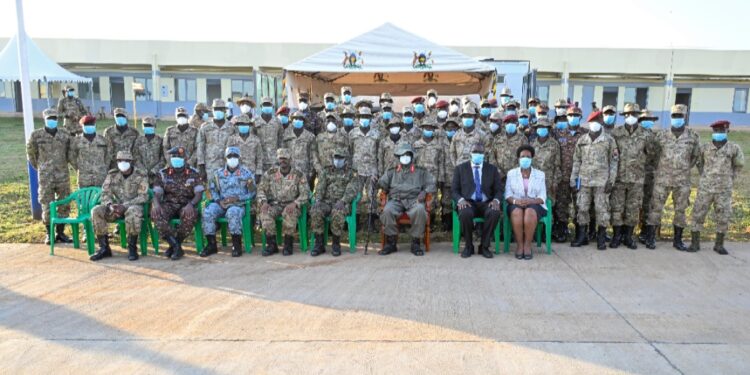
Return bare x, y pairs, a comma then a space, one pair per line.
348, 121
244, 129
524, 162
89, 129
218, 115
364, 122
647, 124
71, 93
121, 121
494, 127
387, 115
467, 122
719, 137
347, 98
298, 124
524, 121
50, 123
284, 119
330, 106
678, 122
574, 120
477, 158
428, 133
542, 132
419, 108
205, 117
510, 128
266, 109
149, 130
561, 125
510, 112
408, 120
532, 110
177, 162
450, 133
609, 119
485, 111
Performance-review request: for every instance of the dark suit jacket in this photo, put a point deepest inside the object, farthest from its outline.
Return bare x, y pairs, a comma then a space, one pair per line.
463, 182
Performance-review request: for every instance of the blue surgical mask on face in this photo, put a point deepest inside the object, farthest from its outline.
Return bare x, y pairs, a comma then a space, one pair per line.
244, 129
678, 122
647, 124
121, 121
347, 98
177, 162
330, 106
364, 122
574, 120
50, 123
510, 112
450, 133
510, 128
719, 137
532, 110
71, 93
542, 132
609, 119
494, 126
485, 111
218, 115
467, 122
419, 108
298, 124
524, 162
477, 158
524, 121
408, 120
149, 130
428, 133
561, 125
266, 109
284, 119
387, 115
89, 129
348, 121
205, 117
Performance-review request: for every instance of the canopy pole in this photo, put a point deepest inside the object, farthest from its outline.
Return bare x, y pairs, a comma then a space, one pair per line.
28, 116
91, 96
46, 85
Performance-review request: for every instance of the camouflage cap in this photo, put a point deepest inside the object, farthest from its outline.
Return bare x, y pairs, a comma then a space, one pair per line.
387, 105
87, 120
246, 99
232, 150
120, 112
329, 95
407, 109
341, 152
298, 114
49, 112
543, 122
456, 100
432, 92
561, 103
430, 123
523, 112
679, 109
532, 101
266, 100
317, 106
69, 87
631, 108
469, 110
573, 110
303, 94
402, 149
200, 107
124, 155
505, 91
542, 107
180, 111
346, 89
364, 111
363, 103
512, 104
386, 96
347, 112
496, 116
149, 120
243, 119
177, 151
609, 108
283, 153
647, 115
451, 122
332, 115
218, 103
485, 102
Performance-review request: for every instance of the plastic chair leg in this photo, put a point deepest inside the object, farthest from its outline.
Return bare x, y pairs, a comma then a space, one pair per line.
123, 236
90, 240
76, 241
223, 233
52, 237
497, 238
456, 231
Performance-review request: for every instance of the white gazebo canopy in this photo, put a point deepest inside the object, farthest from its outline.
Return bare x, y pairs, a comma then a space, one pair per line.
41, 67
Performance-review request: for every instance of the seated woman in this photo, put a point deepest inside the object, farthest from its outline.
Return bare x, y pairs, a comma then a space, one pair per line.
526, 195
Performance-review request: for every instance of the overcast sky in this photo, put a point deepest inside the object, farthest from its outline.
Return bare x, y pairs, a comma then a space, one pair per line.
714, 24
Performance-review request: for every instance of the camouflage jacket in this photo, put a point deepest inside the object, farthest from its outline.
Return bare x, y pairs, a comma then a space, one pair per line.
337, 185
130, 191
502, 151
386, 158
719, 166
212, 142
251, 151
271, 135
677, 155
304, 149
49, 155
595, 162
148, 155
186, 139
365, 151
547, 159
567, 142
71, 109
328, 143
431, 156
91, 159
634, 148
195, 121
275, 188
121, 140
462, 143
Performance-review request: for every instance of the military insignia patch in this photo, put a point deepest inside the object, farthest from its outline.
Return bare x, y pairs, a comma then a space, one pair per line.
422, 60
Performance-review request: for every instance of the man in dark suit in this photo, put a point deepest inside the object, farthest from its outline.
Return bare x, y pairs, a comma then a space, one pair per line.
478, 192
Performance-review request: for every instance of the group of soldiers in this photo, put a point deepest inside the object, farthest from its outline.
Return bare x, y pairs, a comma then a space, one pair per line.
327, 154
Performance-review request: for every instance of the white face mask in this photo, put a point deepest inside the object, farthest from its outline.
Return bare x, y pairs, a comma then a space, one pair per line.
442, 114
233, 162
631, 120
431, 101
302, 106
560, 111
182, 120
123, 166
453, 108
405, 159
595, 126
394, 130
331, 126
245, 108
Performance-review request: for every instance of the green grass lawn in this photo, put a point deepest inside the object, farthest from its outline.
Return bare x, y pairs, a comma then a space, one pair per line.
17, 225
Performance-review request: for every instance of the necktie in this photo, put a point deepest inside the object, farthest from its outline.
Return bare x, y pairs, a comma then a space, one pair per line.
477, 185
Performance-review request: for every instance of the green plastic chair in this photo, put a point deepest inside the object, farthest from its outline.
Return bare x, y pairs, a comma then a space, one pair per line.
301, 226
457, 230
248, 237
351, 223
85, 199
143, 237
198, 230
546, 220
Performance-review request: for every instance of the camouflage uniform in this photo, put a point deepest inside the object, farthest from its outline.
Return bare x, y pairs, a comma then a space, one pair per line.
335, 185
329, 142
72, 109
431, 156
212, 141
460, 150
148, 153
224, 184
271, 135
595, 163
719, 168
311, 119
365, 161
249, 146
564, 194
285, 195
635, 145
547, 160
91, 158
652, 160
131, 192
343, 105
410, 135
179, 187
122, 138
185, 136
445, 193
196, 120
328, 97
385, 153
304, 151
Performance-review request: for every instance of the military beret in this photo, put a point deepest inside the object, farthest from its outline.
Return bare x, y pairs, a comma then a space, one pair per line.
119, 112
180, 111
442, 104
510, 118
49, 112
232, 150
283, 110
87, 120
218, 103
679, 109
177, 151
242, 119
149, 120
283, 153
417, 99
246, 99
724, 124
631, 108
124, 155
594, 116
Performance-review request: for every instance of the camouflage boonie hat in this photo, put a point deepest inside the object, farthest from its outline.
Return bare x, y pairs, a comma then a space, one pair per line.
469, 110
266, 100
545, 122
329, 95
283, 153
432, 92
631, 108
608, 108
362, 103
573, 110
506, 92
218, 103
246, 99
451, 121
345, 89
679, 109
180, 111
49, 112
342, 152
124, 155
386, 105
232, 150
69, 87
298, 114
347, 112
496, 116
542, 107
512, 103
386, 96
364, 111
485, 102
199, 107
403, 148
429, 123
523, 112
120, 111
243, 119
407, 109
561, 103
149, 120
647, 115
532, 100
456, 101
333, 115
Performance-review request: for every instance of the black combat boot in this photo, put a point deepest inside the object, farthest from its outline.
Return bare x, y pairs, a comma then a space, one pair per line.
695, 242
642, 236
176, 244
60, 234
335, 245
236, 245
374, 228
677, 239
592, 229
627, 237
581, 236
416, 249
390, 246
557, 232
719, 244
132, 248
601, 238
650, 237
288, 246
320, 246
616, 236
271, 246
210, 247
104, 250
447, 220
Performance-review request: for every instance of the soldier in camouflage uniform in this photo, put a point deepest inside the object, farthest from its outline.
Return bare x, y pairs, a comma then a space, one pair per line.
148, 151
635, 145
567, 138
407, 187
200, 116
304, 148
502, 146
365, 145
124, 192
248, 143
347, 120
247, 105
440, 114
90, 154
329, 107
72, 109
531, 104
646, 120
593, 175
432, 99
271, 133
346, 99
410, 130
449, 129
609, 117
120, 135
337, 188
178, 189
454, 107
485, 110
396, 136
462, 142
547, 156
560, 121
48, 152
181, 135
281, 193
311, 120
420, 113
330, 140
679, 150
430, 154
230, 187
384, 118
720, 163
212, 139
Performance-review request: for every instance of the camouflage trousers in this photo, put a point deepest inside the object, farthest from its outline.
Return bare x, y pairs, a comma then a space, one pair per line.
601, 205
417, 216
722, 203
72, 127
680, 199
213, 211
289, 214
367, 201
626, 200
52, 191
564, 197
446, 201
318, 213
173, 211
648, 192
101, 216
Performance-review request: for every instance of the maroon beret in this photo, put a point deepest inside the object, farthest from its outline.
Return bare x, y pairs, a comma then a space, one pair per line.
720, 124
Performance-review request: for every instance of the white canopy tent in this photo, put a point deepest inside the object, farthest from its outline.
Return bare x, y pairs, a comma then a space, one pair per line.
388, 59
